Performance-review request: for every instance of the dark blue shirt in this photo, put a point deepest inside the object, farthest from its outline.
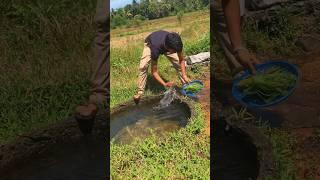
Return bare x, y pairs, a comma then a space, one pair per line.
156, 42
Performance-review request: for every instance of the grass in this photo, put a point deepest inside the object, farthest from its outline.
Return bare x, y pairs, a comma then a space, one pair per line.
44, 62
273, 36
152, 25
192, 25
183, 154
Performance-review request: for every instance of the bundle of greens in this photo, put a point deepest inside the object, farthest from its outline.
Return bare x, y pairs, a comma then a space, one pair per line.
268, 85
193, 88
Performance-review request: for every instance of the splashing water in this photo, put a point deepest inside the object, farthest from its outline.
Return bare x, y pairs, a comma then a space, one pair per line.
169, 96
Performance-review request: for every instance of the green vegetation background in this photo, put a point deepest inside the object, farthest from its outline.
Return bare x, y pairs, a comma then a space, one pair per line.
134, 13
44, 61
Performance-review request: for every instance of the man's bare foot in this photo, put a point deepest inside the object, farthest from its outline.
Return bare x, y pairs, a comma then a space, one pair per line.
85, 116
88, 111
137, 97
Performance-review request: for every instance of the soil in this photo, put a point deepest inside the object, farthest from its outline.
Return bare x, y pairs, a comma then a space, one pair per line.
204, 99
307, 153
307, 146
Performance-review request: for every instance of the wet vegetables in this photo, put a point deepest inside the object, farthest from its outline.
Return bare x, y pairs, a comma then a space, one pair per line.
193, 88
268, 85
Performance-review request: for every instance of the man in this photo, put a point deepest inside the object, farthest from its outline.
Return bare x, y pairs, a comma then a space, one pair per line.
227, 19
101, 70
157, 43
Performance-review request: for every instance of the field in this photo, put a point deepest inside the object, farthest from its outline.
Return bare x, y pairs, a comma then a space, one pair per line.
44, 62
183, 154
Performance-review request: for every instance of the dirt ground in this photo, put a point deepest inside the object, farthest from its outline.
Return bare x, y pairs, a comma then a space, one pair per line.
204, 99
308, 139
307, 150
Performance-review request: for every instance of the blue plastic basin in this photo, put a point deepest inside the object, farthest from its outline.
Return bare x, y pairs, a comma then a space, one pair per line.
189, 94
255, 103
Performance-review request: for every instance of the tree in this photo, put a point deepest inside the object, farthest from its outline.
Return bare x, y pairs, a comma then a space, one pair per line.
153, 9
179, 17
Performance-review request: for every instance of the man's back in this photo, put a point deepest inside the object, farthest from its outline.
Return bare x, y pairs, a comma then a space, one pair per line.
156, 42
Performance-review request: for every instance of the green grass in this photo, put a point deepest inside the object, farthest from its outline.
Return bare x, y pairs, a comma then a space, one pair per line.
282, 144
44, 62
184, 154
274, 37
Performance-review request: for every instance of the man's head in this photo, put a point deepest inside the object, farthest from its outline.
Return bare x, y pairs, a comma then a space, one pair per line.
173, 42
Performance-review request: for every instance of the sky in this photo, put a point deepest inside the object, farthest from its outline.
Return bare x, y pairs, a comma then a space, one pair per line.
119, 3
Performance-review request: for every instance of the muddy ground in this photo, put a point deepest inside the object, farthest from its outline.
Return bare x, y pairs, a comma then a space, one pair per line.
204, 99
307, 135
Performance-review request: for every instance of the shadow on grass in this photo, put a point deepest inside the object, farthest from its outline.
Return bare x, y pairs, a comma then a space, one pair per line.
154, 86
222, 91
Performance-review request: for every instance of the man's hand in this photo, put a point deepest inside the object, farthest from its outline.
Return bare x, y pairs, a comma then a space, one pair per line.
247, 59
186, 80
169, 84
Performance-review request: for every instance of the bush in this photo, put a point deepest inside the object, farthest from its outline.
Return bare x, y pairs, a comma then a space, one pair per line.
179, 16
202, 45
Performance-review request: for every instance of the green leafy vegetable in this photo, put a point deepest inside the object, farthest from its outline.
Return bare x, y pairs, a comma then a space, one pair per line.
193, 88
268, 85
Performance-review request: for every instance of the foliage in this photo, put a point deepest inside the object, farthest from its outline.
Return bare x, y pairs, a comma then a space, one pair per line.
179, 16
153, 9
201, 45
44, 61
275, 36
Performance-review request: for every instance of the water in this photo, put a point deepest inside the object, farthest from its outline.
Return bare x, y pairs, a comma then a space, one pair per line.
141, 121
169, 96
234, 157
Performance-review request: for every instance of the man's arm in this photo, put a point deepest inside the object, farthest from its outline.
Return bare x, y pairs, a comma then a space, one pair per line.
154, 71
183, 67
231, 10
